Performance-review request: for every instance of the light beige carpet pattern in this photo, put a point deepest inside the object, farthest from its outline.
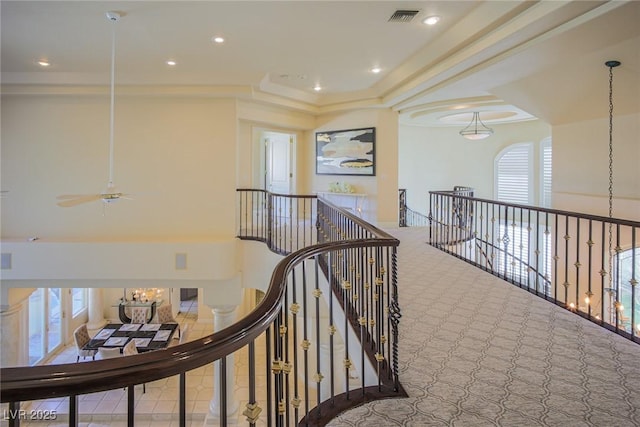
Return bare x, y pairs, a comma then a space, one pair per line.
477, 351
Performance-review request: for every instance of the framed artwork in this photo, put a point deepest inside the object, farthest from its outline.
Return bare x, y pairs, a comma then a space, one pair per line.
346, 152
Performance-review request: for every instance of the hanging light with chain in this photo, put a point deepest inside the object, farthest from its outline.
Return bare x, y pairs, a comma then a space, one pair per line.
476, 129
614, 291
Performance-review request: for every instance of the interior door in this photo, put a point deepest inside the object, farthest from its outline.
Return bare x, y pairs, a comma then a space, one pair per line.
278, 174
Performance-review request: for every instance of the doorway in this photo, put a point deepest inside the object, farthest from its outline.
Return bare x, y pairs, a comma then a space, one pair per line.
278, 161
189, 301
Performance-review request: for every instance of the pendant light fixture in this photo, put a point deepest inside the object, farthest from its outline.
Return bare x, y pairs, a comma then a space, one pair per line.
476, 129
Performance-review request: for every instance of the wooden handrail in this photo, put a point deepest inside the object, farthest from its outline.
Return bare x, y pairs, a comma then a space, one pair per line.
599, 218
47, 381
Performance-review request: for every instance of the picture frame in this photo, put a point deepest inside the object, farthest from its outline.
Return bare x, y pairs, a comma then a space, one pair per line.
346, 152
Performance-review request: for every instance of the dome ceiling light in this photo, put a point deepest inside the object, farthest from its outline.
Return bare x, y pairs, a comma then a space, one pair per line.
476, 129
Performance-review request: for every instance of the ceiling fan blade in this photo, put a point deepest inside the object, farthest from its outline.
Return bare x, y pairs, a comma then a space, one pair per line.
73, 196
79, 200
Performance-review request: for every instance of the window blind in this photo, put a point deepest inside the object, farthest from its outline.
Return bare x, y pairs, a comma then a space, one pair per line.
546, 175
513, 175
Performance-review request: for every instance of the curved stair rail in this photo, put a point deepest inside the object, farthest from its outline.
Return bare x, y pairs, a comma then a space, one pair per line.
563, 257
323, 344
407, 217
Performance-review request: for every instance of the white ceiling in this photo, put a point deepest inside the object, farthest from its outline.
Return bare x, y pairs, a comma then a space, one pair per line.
512, 59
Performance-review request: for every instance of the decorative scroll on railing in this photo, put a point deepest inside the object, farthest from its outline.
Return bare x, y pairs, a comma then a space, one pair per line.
323, 344
587, 264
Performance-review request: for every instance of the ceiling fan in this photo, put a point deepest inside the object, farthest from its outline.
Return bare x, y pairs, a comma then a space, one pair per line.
110, 194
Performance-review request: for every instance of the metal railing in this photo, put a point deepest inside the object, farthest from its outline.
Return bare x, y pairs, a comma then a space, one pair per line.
585, 263
412, 218
325, 336
285, 223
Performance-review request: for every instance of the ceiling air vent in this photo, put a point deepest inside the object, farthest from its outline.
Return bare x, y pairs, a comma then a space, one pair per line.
403, 15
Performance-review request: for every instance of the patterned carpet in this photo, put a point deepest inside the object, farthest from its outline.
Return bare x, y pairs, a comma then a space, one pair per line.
477, 351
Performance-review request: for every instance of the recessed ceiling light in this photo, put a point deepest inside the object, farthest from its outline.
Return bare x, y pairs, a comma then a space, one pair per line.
431, 20
217, 39
376, 70
171, 63
317, 87
44, 63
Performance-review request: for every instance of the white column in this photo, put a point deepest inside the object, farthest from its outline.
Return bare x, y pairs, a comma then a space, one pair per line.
96, 309
14, 339
223, 316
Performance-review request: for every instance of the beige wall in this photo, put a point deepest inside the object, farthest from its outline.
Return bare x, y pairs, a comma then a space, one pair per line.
438, 158
381, 190
581, 166
171, 154
180, 158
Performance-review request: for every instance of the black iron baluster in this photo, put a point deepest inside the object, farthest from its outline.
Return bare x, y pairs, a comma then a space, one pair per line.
616, 278
566, 263
362, 319
223, 390
270, 399
387, 312
14, 417
305, 339
537, 252
241, 212
284, 340
331, 279
73, 400
635, 327
278, 373
395, 315
577, 264
589, 293
295, 307
317, 293
603, 275
252, 410
182, 390
346, 287
269, 227
547, 272
73, 411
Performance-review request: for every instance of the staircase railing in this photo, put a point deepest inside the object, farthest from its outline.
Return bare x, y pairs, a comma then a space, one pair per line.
322, 344
357, 294
284, 222
408, 217
585, 263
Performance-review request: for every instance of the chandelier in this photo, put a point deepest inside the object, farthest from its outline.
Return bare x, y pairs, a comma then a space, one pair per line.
476, 129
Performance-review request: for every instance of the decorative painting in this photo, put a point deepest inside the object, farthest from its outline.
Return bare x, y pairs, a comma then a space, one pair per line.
346, 152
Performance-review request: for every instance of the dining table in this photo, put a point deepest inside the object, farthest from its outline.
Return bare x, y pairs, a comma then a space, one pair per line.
148, 336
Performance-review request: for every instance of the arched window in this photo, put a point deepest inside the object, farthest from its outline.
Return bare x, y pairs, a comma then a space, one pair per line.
513, 174
515, 169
